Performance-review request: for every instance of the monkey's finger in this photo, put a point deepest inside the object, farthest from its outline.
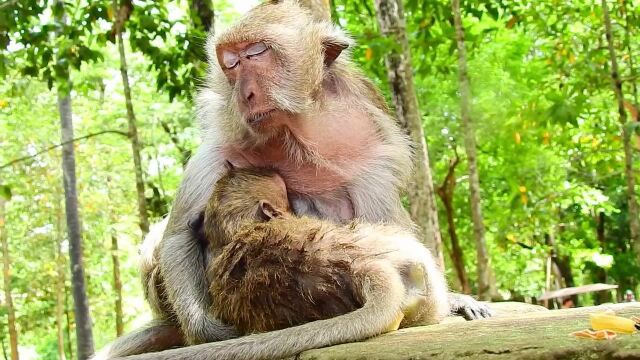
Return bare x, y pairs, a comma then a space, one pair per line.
487, 312
477, 312
468, 313
483, 311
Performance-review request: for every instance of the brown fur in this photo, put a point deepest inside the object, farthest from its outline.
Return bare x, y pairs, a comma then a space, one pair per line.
279, 268
275, 274
291, 270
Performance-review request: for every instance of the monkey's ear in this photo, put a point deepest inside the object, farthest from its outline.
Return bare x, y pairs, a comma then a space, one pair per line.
332, 49
267, 212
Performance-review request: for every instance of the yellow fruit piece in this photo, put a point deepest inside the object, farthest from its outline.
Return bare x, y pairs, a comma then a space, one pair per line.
603, 321
595, 335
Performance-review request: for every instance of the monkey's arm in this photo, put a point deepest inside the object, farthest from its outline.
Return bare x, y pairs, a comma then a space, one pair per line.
181, 259
383, 292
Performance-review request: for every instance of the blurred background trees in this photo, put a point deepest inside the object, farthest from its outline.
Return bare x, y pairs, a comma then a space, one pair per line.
551, 90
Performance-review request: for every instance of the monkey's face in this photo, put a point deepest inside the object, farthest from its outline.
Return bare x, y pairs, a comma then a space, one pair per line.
241, 196
241, 189
274, 62
252, 69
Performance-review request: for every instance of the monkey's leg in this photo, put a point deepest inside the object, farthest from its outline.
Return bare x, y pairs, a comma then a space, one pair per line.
157, 335
382, 290
427, 300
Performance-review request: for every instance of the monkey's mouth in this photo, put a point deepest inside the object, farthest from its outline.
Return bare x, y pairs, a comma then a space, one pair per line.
257, 118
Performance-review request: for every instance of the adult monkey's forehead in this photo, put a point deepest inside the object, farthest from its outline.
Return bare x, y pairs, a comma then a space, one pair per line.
276, 18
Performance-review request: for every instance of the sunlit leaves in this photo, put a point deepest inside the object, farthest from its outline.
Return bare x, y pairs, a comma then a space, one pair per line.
565, 107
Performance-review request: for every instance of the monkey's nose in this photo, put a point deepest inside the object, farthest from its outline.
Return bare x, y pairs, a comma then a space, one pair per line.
249, 96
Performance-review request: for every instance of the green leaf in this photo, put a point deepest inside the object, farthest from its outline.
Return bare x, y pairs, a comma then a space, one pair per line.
5, 192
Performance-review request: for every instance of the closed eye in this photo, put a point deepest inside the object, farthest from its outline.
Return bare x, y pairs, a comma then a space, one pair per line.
230, 60
256, 49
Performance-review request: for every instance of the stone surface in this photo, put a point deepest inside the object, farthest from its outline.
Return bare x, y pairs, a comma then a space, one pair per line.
518, 331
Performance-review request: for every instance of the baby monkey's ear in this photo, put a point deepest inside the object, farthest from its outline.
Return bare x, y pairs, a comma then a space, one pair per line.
266, 211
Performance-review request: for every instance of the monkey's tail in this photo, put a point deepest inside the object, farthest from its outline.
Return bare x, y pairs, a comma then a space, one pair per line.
157, 335
383, 293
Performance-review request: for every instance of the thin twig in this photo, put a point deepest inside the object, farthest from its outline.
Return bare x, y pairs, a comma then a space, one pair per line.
84, 137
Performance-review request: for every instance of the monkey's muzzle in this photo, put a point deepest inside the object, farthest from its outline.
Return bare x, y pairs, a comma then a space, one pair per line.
257, 118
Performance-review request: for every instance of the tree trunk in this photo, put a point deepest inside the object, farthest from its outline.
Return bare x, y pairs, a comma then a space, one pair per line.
6, 275
202, 12
68, 321
321, 9
602, 297
60, 286
84, 334
4, 348
561, 264
133, 128
117, 282
446, 191
117, 285
630, 55
483, 264
627, 133
390, 14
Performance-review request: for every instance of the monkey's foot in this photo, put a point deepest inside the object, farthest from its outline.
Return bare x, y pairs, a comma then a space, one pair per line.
210, 330
468, 307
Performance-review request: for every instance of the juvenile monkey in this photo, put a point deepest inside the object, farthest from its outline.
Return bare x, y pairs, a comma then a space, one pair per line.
283, 93
333, 283
275, 270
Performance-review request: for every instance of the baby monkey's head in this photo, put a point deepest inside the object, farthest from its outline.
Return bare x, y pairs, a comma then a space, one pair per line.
241, 196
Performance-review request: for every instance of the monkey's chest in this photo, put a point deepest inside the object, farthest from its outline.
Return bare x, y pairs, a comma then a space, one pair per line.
314, 190
302, 176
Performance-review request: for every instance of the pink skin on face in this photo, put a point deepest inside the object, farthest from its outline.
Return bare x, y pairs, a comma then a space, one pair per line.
246, 65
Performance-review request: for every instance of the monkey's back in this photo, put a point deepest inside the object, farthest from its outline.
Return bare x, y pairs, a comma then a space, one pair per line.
274, 275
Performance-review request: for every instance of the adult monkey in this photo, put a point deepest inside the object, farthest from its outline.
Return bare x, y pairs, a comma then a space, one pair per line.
281, 93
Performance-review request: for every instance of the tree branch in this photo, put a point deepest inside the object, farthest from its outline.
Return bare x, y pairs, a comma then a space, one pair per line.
7, 3
84, 137
184, 152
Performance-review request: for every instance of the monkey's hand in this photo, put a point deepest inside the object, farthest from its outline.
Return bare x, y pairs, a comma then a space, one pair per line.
468, 307
207, 329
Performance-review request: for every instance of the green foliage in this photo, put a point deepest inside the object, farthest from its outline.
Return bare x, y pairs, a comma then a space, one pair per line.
5, 192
